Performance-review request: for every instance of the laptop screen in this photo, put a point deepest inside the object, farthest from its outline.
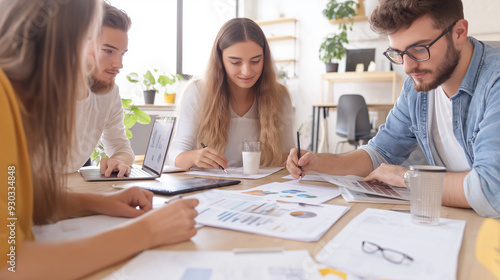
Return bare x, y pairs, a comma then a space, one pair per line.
159, 139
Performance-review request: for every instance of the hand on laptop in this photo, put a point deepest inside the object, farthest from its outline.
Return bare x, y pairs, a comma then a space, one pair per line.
110, 165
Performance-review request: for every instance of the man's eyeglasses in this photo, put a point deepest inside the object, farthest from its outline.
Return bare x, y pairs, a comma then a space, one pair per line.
389, 254
418, 53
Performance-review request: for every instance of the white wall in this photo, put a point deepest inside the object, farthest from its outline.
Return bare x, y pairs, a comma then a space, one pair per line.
313, 26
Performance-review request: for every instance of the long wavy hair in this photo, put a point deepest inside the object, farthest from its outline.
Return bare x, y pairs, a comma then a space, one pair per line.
270, 94
42, 52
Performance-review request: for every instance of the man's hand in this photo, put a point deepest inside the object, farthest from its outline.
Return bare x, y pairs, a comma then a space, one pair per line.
109, 165
389, 174
306, 161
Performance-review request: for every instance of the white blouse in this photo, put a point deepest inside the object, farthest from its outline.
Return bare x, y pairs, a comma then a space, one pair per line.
241, 129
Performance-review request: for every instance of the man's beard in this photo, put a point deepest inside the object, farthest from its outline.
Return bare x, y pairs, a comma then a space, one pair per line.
100, 87
443, 72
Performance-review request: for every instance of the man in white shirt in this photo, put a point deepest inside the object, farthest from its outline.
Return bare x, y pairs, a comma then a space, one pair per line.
101, 112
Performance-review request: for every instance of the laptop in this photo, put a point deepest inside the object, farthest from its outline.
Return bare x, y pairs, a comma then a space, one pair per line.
154, 158
179, 186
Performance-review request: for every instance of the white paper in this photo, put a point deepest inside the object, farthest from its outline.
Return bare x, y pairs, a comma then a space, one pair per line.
434, 249
215, 265
354, 196
252, 214
310, 176
235, 172
294, 191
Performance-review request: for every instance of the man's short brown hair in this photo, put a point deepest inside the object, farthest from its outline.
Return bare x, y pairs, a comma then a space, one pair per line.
115, 18
393, 15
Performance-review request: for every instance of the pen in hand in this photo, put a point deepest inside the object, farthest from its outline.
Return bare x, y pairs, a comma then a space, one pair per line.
203, 146
298, 153
173, 198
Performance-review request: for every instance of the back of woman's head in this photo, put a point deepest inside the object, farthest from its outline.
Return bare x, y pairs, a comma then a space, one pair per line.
42, 49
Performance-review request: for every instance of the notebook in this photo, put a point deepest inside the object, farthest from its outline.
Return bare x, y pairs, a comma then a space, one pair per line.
154, 158
357, 184
178, 186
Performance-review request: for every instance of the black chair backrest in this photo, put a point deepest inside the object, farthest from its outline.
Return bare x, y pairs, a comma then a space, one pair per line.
353, 120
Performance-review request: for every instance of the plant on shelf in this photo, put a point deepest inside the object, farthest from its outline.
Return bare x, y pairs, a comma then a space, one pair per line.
332, 49
132, 115
170, 84
148, 83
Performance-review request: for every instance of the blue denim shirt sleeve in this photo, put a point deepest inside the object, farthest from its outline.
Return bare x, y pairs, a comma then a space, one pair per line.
396, 138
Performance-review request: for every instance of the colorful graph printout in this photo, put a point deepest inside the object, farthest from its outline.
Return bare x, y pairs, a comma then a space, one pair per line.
258, 215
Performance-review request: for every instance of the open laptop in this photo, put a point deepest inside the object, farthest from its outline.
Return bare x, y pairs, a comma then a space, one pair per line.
154, 158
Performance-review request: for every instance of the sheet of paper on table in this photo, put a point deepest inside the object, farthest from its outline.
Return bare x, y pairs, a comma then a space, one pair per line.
294, 191
434, 249
235, 172
310, 176
230, 210
207, 265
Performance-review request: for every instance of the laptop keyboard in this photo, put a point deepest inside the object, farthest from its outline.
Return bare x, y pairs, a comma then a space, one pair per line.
138, 172
378, 188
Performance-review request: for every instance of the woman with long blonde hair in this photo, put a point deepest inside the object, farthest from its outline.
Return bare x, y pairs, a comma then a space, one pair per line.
42, 73
239, 99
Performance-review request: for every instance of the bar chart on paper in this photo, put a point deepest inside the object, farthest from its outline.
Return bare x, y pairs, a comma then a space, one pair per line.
261, 216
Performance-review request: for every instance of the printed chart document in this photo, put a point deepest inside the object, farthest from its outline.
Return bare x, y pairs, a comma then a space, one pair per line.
235, 172
354, 196
294, 191
254, 214
434, 249
356, 183
214, 265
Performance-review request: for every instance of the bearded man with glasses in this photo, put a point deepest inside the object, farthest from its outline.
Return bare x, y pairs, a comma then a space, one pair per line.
449, 106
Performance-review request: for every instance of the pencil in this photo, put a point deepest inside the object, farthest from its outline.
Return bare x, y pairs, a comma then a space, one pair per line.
203, 146
298, 153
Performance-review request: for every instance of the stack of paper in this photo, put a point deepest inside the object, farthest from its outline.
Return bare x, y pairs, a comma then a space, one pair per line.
434, 249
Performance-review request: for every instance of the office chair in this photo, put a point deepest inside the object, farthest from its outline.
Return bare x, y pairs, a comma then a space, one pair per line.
353, 121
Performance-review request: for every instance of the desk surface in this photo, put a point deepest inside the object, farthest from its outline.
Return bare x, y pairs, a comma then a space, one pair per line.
221, 239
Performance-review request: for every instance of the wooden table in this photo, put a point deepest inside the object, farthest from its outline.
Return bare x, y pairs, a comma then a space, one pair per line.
222, 239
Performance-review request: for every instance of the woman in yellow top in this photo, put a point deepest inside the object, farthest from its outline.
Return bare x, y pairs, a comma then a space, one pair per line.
43, 72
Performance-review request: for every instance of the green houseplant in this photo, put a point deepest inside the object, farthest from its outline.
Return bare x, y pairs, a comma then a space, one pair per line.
170, 84
332, 49
148, 82
132, 115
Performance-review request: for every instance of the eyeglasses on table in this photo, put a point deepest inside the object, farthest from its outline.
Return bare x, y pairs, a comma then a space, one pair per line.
389, 254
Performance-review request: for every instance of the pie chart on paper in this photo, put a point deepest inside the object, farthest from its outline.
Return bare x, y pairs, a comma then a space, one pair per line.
303, 214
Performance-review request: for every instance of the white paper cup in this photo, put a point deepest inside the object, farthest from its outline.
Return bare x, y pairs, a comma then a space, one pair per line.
251, 157
426, 187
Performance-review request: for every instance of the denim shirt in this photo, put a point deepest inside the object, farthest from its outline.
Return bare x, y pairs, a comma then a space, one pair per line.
476, 125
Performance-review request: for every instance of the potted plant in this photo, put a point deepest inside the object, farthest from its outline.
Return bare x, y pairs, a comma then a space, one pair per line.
332, 49
170, 84
148, 84
333, 46
132, 116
